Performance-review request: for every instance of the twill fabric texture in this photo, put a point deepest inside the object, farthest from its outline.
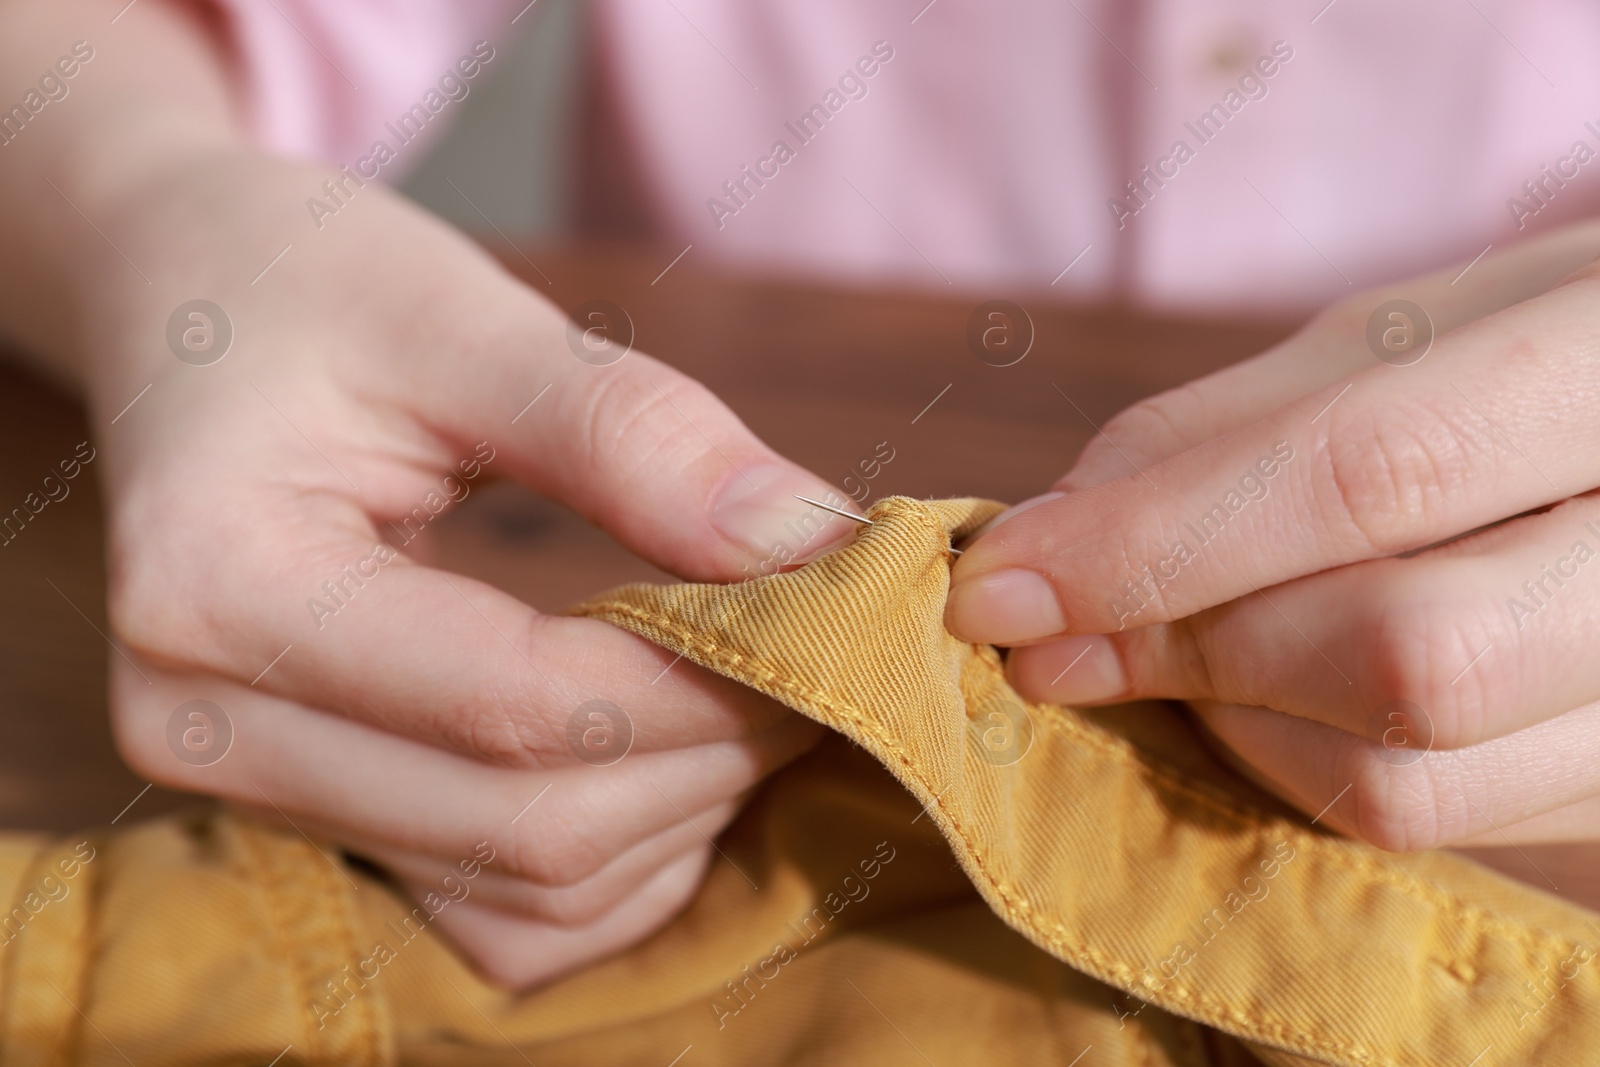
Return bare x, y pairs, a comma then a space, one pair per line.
957, 877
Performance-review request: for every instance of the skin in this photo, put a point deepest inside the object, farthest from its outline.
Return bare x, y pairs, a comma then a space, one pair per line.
1376, 566
368, 363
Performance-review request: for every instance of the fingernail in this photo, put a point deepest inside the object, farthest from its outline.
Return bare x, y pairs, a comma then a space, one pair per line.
757, 510
1079, 670
1004, 608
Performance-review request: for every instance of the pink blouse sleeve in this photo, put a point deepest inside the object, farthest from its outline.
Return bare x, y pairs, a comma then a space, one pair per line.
328, 80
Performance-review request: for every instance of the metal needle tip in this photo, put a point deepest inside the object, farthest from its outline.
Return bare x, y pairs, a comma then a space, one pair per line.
837, 511
850, 515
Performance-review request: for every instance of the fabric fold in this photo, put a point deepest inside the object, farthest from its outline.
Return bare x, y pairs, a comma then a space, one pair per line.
1112, 846
956, 876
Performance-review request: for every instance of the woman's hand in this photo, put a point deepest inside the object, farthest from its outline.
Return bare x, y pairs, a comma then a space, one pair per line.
403, 711
262, 495
1272, 537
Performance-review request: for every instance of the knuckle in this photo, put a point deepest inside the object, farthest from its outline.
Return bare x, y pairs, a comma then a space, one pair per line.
145, 615
145, 758
512, 723
498, 732
631, 419
571, 906
1142, 594
1396, 808
135, 731
581, 904
1387, 474
173, 600
1179, 659
138, 732
558, 855
1415, 649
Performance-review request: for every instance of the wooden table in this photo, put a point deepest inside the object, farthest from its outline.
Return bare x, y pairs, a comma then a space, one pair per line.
823, 374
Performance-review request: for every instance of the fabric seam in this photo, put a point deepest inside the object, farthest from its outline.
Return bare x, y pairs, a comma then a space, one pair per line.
1168, 779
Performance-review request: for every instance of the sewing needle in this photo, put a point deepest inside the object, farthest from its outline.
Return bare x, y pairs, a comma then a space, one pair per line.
850, 515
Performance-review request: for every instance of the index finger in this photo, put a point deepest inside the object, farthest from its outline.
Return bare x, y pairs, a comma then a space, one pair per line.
346, 623
1394, 459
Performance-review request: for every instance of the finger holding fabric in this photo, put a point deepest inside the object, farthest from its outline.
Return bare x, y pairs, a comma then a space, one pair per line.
1494, 423
565, 856
262, 492
260, 502
1432, 680
1536, 785
260, 518
1489, 634
1327, 350
1450, 631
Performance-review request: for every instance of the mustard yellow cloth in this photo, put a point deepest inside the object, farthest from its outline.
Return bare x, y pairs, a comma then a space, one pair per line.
1041, 884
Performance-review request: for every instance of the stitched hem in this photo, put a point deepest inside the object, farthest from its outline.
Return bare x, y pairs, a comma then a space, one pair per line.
741, 667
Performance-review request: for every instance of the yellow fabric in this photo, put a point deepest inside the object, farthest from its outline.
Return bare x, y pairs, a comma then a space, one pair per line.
1159, 910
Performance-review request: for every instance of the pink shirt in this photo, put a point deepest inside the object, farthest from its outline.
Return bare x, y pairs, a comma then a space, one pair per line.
1229, 155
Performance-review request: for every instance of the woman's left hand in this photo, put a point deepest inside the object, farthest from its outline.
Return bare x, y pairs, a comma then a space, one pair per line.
1268, 540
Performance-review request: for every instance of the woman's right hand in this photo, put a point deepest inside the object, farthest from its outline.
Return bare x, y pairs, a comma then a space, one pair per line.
378, 360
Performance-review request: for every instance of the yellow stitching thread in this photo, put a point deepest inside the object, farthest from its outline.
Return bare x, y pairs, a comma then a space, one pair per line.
267, 879
1161, 772
1470, 915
